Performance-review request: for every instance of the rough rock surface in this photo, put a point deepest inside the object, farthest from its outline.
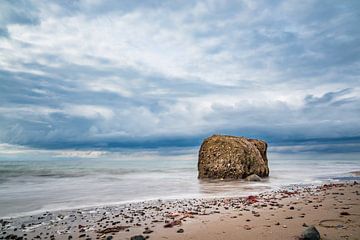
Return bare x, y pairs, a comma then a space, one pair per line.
310, 233
229, 157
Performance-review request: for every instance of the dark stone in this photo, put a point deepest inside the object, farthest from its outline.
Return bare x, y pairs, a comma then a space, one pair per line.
12, 236
147, 231
310, 233
229, 157
138, 237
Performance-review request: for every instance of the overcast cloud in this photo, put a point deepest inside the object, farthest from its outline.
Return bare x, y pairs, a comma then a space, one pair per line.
108, 74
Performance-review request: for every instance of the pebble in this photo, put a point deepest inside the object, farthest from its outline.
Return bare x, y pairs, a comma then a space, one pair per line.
138, 237
144, 214
147, 231
247, 227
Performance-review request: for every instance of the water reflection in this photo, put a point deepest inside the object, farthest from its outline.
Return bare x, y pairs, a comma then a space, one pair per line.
216, 187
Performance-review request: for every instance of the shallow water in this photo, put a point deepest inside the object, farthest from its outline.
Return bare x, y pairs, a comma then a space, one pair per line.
31, 186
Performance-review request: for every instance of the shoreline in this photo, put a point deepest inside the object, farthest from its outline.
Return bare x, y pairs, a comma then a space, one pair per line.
169, 199
182, 218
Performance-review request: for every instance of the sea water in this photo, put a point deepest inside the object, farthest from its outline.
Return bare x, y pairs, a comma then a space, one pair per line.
29, 186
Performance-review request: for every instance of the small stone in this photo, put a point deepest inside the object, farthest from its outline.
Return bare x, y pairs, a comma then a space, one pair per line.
138, 237
247, 227
180, 230
147, 231
310, 233
253, 178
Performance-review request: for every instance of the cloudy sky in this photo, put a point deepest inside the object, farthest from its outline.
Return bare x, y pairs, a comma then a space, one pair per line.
93, 74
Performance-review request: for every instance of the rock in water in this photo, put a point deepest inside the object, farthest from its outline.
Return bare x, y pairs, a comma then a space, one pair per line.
229, 157
310, 233
253, 178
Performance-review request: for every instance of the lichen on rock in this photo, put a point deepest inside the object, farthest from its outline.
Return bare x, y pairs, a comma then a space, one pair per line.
230, 157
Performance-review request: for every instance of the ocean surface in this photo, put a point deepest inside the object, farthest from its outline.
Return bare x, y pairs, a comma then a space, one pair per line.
31, 186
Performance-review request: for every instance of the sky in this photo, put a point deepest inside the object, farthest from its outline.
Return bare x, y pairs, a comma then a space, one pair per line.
103, 75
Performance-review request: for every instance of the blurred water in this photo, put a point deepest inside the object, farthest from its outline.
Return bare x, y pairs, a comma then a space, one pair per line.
30, 186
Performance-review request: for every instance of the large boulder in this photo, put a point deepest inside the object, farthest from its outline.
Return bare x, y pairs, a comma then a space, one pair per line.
229, 157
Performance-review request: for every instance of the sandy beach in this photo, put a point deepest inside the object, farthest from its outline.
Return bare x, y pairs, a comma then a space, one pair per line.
179, 120
332, 208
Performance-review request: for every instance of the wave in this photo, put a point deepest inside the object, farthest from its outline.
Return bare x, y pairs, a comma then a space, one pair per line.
10, 173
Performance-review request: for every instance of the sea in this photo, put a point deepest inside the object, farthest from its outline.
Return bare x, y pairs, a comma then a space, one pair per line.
30, 185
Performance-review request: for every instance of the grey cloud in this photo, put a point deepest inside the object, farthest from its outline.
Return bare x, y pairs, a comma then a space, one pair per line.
327, 97
17, 12
4, 32
293, 70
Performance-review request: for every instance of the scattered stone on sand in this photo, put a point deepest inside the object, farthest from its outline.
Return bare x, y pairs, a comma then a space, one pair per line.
138, 237
247, 227
229, 157
344, 213
310, 233
173, 223
107, 222
112, 229
251, 199
148, 231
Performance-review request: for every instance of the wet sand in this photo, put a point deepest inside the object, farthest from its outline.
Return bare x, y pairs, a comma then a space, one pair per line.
334, 209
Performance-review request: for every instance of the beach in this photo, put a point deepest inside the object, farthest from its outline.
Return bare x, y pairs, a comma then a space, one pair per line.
179, 120
279, 214
32, 185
